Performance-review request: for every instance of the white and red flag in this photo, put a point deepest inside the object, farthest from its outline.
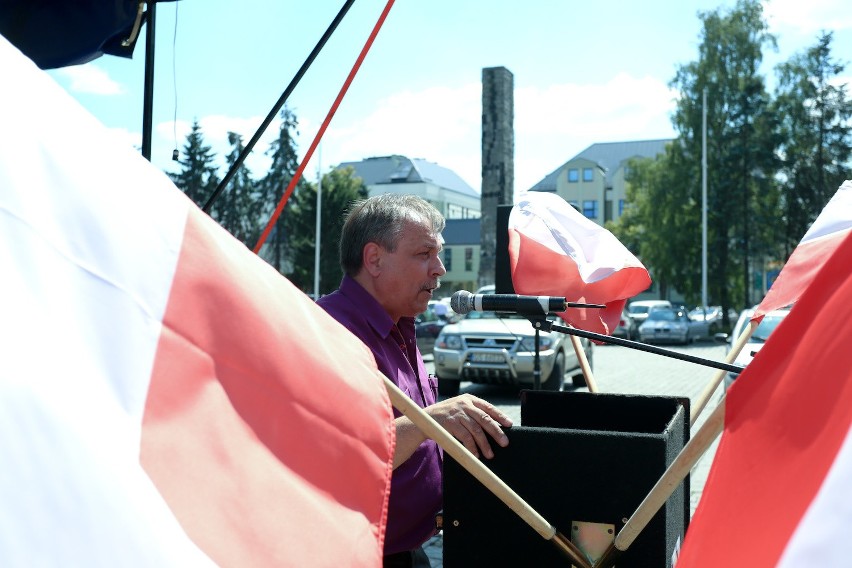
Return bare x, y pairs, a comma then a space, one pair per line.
778, 492
166, 397
828, 230
555, 251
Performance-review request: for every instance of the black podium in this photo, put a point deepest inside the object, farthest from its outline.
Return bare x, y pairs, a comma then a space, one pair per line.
584, 461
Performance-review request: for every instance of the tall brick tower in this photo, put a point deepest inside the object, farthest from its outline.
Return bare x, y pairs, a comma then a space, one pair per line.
498, 160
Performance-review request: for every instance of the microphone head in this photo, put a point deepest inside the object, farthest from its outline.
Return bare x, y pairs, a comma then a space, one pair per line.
462, 302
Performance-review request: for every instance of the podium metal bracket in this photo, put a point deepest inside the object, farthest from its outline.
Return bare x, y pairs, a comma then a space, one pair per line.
592, 538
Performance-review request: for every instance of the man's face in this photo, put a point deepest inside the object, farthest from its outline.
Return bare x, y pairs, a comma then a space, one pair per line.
410, 273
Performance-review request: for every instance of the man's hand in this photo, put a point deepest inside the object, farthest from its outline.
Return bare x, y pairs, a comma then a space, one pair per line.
469, 419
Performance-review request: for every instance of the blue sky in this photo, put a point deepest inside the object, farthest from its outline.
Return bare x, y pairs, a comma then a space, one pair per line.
584, 72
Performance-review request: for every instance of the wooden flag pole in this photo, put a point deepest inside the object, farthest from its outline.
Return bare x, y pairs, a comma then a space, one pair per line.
584, 364
708, 391
665, 486
454, 448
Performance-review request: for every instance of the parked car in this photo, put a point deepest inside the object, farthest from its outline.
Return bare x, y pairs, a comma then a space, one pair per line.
429, 324
767, 325
713, 316
638, 310
499, 348
669, 325
627, 328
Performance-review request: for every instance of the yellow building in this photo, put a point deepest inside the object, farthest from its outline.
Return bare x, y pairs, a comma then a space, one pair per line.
593, 180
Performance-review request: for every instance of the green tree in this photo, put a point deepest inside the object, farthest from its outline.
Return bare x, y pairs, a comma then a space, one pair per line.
237, 207
198, 175
741, 143
659, 224
816, 133
272, 186
340, 187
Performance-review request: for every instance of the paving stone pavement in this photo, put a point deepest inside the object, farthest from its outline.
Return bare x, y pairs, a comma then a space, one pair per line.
624, 370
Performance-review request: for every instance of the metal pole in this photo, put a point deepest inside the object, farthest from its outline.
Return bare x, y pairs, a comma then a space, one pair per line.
148, 102
704, 201
319, 225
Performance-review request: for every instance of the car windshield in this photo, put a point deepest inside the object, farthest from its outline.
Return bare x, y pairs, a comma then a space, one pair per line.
639, 309
766, 327
662, 315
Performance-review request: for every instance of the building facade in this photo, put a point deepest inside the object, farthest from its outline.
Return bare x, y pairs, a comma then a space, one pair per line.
441, 187
461, 256
593, 180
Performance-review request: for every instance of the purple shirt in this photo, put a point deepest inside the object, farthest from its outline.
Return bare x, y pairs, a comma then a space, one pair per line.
416, 492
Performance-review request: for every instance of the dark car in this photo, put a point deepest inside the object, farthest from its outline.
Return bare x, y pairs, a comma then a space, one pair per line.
627, 328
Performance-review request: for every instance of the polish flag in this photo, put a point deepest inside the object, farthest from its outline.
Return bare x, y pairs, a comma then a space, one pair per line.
166, 397
830, 228
555, 251
778, 492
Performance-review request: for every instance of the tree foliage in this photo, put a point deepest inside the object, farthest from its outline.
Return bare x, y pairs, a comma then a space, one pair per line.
816, 135
246, 205
273, 185
237, 207
340, 188
740, 141
197, 177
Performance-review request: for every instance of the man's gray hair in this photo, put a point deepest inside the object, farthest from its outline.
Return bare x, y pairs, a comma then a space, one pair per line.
381, 219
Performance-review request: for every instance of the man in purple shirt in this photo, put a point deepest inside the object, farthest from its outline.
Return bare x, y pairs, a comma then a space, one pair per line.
389, 254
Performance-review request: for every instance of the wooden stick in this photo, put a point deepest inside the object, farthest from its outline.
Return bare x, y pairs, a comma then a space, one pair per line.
671, 479
584, 363
708, 391
454, 448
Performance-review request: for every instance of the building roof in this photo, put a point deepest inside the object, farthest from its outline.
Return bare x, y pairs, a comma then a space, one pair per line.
399, 169
607, 155
461, 232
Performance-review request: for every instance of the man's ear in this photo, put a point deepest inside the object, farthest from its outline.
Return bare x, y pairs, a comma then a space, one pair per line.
373, 259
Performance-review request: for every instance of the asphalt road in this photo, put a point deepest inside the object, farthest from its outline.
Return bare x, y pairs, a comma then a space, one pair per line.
618, 369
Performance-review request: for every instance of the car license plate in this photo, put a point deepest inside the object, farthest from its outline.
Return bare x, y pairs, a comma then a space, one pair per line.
487, 358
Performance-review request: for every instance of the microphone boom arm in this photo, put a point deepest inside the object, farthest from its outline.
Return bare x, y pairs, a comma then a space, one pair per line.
547, 325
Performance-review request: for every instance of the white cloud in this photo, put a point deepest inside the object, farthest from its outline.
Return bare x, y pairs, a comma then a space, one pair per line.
807, 18
439, 124
443, 125
90, 79
215, 130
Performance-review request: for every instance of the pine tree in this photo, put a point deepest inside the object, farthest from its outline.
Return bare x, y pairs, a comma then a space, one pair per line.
816, 133
198, 175
272, 187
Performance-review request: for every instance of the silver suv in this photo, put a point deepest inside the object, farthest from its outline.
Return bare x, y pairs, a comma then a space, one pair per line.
498, 348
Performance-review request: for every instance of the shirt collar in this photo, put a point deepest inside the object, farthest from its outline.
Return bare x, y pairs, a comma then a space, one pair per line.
373, 311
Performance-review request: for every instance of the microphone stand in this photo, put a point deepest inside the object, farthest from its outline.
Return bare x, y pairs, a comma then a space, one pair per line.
542, 323
534, 320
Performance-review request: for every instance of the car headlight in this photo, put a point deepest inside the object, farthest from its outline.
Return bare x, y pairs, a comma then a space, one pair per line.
544, 342
449, 341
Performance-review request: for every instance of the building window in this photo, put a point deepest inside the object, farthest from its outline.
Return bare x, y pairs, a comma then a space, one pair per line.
588, 174
575, 205
620, 207
454, 211
573, 175
590, 208
448, 259
468, 258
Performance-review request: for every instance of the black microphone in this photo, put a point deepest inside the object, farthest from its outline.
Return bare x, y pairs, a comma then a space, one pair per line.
464, 302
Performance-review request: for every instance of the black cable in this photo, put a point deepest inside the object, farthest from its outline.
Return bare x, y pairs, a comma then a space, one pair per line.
175, 153
274, 112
